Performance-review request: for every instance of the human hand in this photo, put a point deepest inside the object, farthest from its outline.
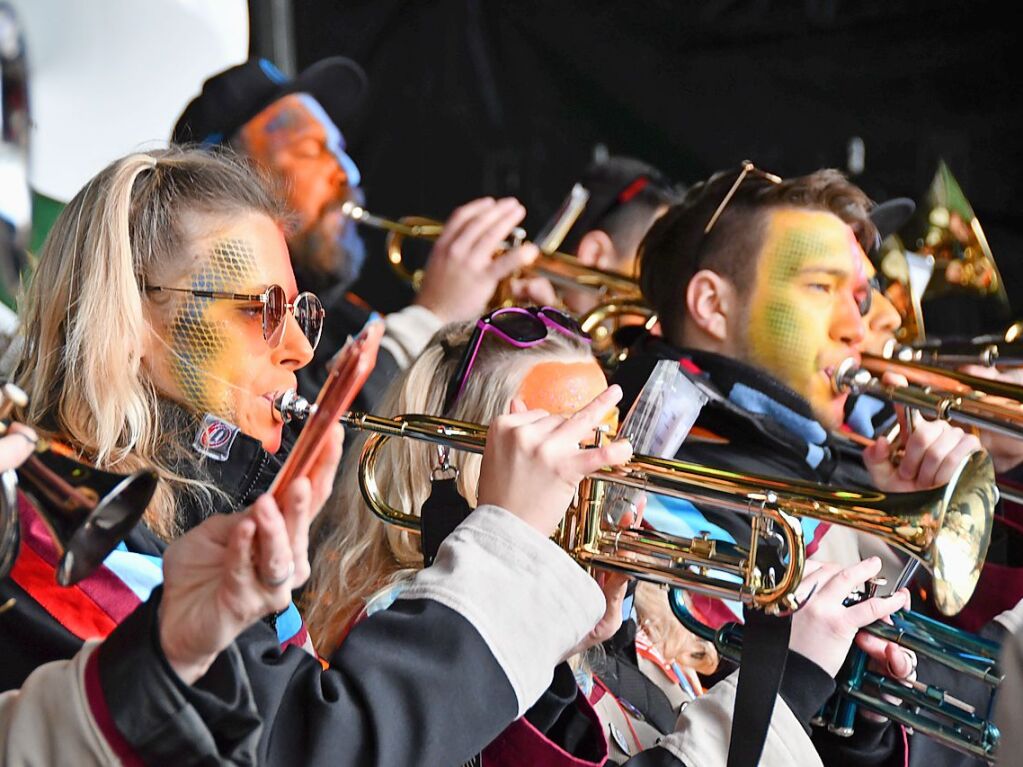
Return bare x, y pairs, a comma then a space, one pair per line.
614, 586
823, 629
462, 273
533, 461
1006, 452
16, 445
933, 452
533, 291
228, 572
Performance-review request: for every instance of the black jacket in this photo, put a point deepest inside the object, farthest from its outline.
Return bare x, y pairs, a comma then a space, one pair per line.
393, 694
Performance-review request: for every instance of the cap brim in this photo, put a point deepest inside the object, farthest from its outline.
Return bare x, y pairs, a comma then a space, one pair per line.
337, 83
890, 216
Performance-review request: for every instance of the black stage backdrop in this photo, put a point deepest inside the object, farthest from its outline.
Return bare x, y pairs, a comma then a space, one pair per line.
470, 98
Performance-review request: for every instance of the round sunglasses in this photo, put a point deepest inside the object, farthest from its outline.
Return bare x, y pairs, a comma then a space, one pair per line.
521, 327
306, 308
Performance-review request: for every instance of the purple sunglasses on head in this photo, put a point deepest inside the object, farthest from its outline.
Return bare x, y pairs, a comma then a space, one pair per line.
522, 327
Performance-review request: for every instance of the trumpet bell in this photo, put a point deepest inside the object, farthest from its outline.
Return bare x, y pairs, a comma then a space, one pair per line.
87, 511
961, 544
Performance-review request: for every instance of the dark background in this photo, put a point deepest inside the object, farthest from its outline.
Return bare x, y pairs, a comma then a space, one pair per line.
470, 98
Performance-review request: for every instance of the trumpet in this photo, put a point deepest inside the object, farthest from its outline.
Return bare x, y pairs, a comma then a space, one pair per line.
86, 511
947, 394
925, 708
561, 269
947, 529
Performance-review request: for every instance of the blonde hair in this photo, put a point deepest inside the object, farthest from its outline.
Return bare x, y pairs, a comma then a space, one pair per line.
358, 554
83, 315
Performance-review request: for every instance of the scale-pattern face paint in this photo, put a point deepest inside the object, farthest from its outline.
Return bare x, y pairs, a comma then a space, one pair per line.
799, 312
199, 330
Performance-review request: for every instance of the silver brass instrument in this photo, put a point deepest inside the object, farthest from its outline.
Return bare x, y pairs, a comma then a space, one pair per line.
562, 269
947, 529
925, 708
87, 511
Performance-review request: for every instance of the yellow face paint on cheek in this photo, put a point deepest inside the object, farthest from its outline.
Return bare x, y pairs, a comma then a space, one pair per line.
203, 352
798, 274
564, 388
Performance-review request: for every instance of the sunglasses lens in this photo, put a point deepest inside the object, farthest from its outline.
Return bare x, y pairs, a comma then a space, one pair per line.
309, 315
273, 314
519, 325
564, 321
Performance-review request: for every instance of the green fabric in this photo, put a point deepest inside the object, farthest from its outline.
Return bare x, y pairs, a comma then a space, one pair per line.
44, 212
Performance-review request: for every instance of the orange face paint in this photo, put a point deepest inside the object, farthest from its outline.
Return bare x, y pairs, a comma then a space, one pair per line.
563, 388
296, 140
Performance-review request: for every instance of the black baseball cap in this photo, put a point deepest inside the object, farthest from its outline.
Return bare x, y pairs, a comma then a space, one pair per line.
233, 97
614, 182
890, 216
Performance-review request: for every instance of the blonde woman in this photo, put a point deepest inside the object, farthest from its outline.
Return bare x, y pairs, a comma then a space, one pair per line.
518, 358
161, 322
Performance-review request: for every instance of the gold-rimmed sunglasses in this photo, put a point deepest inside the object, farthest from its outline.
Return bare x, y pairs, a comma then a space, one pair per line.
306, 308
747, 169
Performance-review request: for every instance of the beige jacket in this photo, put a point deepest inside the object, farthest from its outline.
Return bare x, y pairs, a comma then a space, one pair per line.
49, 720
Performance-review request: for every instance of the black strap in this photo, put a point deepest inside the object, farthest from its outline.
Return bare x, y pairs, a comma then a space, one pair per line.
441, 514
765, 647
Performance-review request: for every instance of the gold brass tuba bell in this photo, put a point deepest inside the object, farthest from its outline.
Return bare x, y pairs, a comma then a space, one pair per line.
947, 235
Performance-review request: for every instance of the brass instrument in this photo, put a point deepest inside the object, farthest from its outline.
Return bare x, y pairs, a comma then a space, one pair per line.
87, 511
947, 394
925, 708
947, 528
1005, 350
561, 269
603, 320
948, 237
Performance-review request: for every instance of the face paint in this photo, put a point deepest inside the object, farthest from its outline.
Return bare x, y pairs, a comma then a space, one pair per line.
563, 388
803, 315
199, 329
883, 319
213, 357
296, 140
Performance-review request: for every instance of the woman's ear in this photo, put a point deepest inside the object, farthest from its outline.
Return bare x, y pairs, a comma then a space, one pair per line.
596, 249
711, 306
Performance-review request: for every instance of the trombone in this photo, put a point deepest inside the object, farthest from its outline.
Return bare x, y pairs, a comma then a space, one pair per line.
86, 511
947, 394
947, 529
562, 269
1001, 350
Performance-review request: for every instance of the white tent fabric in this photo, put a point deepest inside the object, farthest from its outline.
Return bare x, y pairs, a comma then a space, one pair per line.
111, 76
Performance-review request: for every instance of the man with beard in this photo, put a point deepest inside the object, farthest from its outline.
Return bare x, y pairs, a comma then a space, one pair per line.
290, 128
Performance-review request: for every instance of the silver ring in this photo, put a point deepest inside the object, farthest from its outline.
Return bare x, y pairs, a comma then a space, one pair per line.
274, 582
